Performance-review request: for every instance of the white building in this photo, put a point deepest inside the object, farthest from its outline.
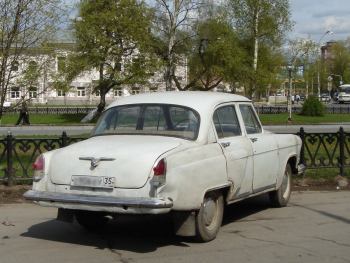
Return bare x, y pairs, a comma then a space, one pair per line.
49, 63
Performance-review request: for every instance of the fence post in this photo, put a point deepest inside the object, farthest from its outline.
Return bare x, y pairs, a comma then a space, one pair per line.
64, 139
9, 159
341, 151
302, 150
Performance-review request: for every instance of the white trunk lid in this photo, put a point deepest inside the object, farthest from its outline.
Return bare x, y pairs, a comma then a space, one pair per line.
129, 159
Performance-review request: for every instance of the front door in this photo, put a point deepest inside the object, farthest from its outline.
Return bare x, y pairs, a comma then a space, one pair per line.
237, 150
265, 153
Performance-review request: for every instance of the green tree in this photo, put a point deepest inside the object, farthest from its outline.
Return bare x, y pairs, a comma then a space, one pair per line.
258, 22
24, 25
173, 23
217, 58
114, 37
338, 63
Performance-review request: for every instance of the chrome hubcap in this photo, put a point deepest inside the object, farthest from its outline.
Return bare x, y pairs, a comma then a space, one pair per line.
209, 211
285, 185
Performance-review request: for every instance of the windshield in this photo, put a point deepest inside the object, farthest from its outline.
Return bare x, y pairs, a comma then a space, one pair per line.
149, 119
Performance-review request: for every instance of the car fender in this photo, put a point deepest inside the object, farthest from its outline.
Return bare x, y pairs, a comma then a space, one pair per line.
192, 172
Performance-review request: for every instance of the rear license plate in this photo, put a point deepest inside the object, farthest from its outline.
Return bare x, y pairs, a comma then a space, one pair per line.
93, 181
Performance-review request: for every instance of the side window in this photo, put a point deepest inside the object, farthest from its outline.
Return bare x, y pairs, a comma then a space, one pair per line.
226, 122
251, 122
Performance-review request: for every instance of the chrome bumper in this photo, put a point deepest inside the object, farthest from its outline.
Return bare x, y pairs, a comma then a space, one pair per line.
301, 169
136, 202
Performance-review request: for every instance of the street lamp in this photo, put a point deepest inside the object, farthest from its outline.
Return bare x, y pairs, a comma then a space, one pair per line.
328, 32
289, 105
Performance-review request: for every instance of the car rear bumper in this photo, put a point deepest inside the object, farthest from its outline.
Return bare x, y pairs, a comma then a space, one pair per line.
93, 200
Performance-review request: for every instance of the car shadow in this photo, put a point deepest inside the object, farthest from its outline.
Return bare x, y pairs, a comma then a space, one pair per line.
243, 209
140, 234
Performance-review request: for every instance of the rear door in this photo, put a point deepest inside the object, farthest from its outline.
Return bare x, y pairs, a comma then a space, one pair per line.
265, 150
236, 148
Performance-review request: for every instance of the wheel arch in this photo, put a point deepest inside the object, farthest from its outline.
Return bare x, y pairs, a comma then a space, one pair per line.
292, 160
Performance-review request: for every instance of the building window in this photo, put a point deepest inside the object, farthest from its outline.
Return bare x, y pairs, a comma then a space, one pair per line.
61, 93
33, 92
135, 91
15, 93
118, 93
81, 92
15, 66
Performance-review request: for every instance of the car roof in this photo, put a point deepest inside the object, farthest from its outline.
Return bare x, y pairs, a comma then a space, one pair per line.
198, 100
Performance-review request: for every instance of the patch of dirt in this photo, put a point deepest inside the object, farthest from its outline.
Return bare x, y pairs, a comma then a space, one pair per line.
308, 184
13, 194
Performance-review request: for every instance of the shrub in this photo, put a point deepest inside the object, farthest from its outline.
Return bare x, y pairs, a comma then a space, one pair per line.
312, 107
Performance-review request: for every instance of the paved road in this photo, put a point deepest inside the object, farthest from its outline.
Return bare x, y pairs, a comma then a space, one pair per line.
86, 129
315, 227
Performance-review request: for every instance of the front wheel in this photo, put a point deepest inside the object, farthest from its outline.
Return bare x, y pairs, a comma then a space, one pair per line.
280, 197
209, 217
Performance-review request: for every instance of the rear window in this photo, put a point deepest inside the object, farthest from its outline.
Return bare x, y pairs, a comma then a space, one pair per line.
150, 119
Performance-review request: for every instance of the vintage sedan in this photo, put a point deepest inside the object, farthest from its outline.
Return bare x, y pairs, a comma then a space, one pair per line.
184, 153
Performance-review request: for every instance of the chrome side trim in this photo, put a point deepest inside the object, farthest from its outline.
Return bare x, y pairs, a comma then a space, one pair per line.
138, 202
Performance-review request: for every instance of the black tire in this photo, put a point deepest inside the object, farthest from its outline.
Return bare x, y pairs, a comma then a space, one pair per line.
91, 220
280, 197
209, 217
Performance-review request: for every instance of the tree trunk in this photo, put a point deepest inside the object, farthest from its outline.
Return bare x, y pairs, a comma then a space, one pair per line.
102, 104
256, 50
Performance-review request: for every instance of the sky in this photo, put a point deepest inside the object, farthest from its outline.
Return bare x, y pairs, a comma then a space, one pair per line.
314, 17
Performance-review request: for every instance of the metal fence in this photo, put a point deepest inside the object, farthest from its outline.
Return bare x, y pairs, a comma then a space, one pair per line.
18, 154
261, 109
52, 110
330, 109
319, 150
325, 150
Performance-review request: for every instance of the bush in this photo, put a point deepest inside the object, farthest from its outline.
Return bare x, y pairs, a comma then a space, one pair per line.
312, 107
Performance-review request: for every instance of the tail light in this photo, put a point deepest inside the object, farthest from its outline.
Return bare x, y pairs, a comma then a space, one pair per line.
159, 173
160, 168
38, 167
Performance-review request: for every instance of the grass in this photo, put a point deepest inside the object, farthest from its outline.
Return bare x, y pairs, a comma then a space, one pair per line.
277, 119
52, 119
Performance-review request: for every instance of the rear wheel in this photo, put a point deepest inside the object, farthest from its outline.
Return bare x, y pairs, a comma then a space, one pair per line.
280, 197
91, 220
209, 217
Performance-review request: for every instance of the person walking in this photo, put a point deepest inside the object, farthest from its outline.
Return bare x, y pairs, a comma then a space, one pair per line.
23, 113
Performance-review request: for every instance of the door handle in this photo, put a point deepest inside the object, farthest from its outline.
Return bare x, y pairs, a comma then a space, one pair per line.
225, 144
253, 139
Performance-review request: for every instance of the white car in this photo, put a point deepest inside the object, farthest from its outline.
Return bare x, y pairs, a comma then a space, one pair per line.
344, 94
185, 153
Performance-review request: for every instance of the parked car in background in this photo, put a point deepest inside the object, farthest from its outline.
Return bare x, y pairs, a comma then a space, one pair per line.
185, 153
325, 97
7, 104
344, 93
